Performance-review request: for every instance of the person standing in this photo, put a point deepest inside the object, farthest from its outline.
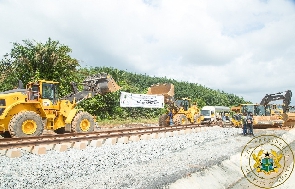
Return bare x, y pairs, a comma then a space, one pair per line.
249, 123
244, 120
170, 115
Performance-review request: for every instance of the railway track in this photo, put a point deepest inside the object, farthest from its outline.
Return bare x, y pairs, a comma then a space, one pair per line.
61, 142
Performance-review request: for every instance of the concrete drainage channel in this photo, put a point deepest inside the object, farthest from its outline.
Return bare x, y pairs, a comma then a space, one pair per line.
228, 174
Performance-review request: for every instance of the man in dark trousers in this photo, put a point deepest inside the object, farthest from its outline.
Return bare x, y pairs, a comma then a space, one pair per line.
244, 125
248, 124
170, 115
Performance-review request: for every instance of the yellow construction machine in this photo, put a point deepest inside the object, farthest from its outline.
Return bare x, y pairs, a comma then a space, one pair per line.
182, 111
261, 116
283, 112
266, 114
27, 112
237, 116
289, 117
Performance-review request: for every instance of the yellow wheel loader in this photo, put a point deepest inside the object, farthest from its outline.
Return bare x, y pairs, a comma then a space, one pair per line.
27, 112
180, 111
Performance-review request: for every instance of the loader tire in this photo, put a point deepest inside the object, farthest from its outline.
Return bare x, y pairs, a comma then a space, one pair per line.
180, 119
26, 124
197, 119
83, 123
163, 120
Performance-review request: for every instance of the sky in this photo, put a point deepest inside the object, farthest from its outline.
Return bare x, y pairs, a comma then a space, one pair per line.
241, 47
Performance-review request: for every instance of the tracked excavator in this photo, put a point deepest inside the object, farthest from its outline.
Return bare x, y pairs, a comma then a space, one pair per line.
27, 112
182, 111
278, 96
285, 112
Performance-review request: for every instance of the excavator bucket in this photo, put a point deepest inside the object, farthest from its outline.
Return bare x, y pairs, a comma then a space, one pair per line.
101, 83
166, 89
289, 119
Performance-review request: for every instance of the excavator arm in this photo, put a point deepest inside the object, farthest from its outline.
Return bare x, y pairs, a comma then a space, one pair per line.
288, 116
278, 96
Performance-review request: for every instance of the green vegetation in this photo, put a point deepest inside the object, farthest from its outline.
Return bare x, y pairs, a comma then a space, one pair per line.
31, 61
51, 61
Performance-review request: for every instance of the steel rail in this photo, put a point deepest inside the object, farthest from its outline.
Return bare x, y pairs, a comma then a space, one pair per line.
7, 143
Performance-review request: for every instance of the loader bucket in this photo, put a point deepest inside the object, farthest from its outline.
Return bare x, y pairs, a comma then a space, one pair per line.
166, 89
289, 119
112, 85
101, 83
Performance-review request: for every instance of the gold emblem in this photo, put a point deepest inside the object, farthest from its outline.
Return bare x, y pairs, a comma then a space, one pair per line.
267, 161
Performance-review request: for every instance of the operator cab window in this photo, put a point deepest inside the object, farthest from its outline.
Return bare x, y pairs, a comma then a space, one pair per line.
48, 91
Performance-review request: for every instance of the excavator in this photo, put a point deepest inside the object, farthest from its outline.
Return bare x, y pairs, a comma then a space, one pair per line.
27, 112
284, 111
278, 96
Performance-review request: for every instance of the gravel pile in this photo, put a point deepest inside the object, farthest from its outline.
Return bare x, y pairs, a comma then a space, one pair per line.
145, 164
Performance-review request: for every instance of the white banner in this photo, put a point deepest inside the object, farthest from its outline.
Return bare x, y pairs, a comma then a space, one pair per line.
141, 100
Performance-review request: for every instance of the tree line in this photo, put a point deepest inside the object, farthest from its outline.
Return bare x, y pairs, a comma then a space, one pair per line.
31, 60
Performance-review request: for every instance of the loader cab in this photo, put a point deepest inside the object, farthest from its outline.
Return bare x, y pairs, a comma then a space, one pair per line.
49, 91
247, 108
184, 103
43, 90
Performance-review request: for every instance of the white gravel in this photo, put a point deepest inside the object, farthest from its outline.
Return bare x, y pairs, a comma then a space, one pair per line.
154, 163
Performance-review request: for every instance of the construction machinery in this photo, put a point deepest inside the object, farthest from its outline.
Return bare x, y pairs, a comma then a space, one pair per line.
261, 115
237, 116
27, 112
278, 96
283, 112
266, 114
180, 111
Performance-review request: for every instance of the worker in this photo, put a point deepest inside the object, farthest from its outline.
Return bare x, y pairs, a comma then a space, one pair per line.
244, 127
250, 123
170, 115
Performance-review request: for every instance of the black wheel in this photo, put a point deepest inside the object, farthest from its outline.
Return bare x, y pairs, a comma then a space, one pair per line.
180, 119
83, 123
26, 124
163, 120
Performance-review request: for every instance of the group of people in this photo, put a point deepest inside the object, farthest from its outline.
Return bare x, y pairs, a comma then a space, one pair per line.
248, 124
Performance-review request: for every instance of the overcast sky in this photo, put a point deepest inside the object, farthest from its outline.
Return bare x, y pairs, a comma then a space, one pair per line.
245, 47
